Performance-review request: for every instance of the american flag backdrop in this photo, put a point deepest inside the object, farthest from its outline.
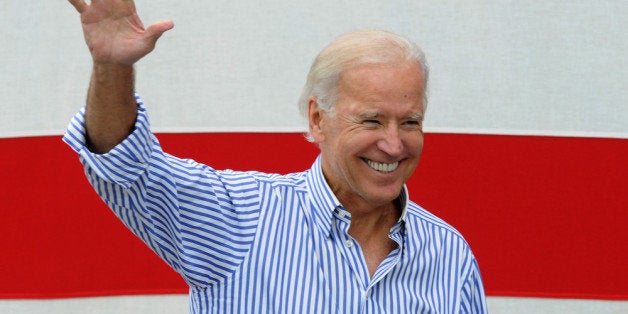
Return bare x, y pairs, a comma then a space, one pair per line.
526, 148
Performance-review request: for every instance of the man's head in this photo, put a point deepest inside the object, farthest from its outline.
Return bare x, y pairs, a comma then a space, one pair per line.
365, 110
350, 50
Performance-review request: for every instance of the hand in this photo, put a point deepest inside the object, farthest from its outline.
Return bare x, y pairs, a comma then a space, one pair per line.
114, 32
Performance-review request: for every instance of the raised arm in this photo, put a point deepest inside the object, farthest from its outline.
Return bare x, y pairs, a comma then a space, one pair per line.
116, 40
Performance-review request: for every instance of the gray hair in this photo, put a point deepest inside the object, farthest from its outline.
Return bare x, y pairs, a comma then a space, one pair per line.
353, 49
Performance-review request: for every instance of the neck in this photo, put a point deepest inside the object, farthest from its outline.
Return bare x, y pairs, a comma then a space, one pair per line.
373, 222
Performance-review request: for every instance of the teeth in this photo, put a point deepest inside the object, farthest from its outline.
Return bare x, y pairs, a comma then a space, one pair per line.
381, 167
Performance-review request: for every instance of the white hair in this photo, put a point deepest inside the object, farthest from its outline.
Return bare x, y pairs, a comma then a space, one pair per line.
354, 49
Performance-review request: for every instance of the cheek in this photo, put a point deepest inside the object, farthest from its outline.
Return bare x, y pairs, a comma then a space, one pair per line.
355, 139
414, 145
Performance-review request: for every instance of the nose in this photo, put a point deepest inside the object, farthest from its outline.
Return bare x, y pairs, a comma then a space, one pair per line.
391, 142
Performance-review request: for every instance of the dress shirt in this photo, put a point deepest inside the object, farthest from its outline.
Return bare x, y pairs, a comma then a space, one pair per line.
252, 242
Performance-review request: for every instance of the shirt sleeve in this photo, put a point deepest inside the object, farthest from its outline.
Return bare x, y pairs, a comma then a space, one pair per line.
202, 222
473, 297
134, 152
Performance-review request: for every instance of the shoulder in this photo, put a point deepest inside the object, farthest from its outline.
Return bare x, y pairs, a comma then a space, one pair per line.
425, 225
270, 180
291, 181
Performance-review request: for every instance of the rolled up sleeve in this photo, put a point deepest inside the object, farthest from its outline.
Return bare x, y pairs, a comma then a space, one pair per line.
132, 153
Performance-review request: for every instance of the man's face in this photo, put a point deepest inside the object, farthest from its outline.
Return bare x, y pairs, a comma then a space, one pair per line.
372, 143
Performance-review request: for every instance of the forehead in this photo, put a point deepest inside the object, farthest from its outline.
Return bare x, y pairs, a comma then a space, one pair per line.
400, 83
383, 76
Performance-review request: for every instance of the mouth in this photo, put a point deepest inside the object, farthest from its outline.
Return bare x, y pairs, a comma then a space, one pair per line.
382, 167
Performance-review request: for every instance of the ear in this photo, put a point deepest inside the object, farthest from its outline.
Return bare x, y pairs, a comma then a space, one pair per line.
315, 115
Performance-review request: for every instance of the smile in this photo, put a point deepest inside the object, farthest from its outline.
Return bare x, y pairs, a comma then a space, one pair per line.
381, 167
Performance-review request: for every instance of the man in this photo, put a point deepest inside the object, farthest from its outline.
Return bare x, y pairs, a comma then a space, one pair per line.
342, 237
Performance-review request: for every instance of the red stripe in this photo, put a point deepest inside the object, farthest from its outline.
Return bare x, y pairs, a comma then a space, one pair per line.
545, 215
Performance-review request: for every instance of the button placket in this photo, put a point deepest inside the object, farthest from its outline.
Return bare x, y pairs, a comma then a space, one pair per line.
348, 246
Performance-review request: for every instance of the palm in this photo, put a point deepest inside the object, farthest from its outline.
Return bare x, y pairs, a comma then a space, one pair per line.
114, 33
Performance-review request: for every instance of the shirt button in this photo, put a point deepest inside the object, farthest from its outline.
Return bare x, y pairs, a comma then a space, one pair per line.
348, 243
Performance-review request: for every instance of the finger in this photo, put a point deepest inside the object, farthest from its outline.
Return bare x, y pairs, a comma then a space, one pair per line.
79, 5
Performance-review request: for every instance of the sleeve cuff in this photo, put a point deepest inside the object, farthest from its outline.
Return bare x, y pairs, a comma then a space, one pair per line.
126, 161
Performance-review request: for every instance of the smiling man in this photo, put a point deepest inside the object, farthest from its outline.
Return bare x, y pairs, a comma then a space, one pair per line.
371, 141
341, 237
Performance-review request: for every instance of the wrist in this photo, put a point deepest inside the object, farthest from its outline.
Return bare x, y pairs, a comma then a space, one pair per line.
112, 68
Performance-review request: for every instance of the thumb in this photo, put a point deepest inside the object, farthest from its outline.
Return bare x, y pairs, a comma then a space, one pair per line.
156, 30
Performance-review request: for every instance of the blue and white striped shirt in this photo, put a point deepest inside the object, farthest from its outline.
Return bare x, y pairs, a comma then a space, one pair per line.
251, 242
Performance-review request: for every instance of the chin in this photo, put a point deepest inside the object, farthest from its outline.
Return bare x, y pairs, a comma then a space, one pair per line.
379, 197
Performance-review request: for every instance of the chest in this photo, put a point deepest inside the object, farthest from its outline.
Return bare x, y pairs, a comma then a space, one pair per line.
294, 267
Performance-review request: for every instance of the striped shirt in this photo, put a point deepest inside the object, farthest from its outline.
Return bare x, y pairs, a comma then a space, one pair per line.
251, 242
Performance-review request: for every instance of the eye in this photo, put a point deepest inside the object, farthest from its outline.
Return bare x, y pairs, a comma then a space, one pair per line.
371, 122
413, 124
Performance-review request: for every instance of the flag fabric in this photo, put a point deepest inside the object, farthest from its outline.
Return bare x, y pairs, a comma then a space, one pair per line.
526, 149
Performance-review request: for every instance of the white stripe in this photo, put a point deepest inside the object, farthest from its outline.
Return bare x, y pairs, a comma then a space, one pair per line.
168, 304
30, 133
620, 135
187, 130
501, 66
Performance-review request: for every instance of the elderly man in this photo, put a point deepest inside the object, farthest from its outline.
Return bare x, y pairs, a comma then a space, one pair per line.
341, 237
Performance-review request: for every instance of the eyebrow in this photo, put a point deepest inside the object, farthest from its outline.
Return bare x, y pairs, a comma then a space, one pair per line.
372, 115
369, 115
416, 116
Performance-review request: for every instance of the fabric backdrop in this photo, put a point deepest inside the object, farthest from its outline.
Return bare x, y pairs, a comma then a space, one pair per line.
526, 146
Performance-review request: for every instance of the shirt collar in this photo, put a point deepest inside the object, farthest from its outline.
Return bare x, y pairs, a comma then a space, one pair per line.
403, 201
323, 201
